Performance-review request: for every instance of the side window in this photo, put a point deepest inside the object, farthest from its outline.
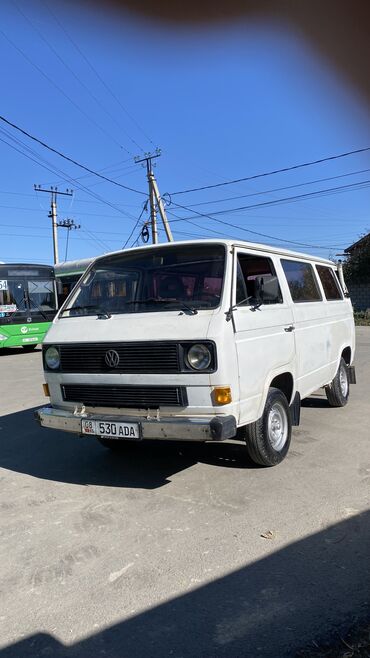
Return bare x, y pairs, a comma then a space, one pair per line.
329, 283
301, 281
257, 281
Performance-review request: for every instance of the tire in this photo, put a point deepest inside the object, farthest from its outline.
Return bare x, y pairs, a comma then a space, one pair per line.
268, 439
29, 348
337, 392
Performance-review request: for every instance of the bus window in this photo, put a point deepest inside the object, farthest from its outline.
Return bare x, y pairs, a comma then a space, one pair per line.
12, 297
41, 294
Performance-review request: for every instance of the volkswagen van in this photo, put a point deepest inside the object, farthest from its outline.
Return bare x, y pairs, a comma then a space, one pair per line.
207, 340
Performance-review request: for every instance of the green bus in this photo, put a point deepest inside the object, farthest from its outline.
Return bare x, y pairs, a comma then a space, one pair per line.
67, 274
28, 304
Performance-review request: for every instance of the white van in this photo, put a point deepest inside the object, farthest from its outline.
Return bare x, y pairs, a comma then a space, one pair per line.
199, 341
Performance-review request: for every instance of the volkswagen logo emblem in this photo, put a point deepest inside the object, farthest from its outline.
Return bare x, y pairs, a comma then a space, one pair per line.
112, 359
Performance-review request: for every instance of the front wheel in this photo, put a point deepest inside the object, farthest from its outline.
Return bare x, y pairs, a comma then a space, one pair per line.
268, 439
337, 392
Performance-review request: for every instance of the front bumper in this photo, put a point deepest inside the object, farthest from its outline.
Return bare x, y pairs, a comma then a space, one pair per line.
218, 428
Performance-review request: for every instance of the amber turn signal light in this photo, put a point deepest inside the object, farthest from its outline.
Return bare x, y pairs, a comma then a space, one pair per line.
46, 390
221, 395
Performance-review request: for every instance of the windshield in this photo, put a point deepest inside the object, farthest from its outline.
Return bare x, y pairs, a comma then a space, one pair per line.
12, 297
41, 294
26, 296
181, 277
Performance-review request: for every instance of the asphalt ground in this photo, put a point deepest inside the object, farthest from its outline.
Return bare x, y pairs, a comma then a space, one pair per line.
181, 551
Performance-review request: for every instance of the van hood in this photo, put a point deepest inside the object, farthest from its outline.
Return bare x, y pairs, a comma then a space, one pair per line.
164, 325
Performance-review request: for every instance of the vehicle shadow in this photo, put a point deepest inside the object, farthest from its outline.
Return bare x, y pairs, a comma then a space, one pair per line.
317, 400
10, 351
313, 590
59, 456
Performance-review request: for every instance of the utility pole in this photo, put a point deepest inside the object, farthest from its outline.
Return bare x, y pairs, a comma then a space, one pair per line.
69, 225
53, 191
155, 198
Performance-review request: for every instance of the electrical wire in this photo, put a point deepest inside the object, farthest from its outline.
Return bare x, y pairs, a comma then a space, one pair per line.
273, 172
240, 228
99, 77
61, 91
54, 170
279, 189
291, 199
32, 236
66, 157
74, 74
145, 207
58, 172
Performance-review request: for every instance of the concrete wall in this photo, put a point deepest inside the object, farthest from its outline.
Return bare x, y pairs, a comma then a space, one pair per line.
360, 295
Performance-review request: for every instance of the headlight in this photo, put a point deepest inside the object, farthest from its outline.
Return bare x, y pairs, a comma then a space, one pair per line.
199, 357
52, 358
2, 337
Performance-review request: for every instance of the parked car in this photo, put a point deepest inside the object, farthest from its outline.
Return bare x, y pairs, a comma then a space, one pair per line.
199, 341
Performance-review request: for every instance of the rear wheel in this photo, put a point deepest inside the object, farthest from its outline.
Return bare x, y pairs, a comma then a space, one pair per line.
29, 348
337, 391
268, 439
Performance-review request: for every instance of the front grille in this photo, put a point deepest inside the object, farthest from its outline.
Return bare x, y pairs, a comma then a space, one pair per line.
134, 397
134, 357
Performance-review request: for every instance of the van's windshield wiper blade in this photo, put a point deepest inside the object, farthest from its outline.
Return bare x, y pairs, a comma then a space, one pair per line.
190, 309
166, 302
150, 300
99, 310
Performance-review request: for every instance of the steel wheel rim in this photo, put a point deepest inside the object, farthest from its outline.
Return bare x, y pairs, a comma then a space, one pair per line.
277, 426
343, 381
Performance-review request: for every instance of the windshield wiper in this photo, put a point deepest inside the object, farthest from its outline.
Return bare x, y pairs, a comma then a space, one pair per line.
190, 309
38, 308
166, 302
150, 300
101, 312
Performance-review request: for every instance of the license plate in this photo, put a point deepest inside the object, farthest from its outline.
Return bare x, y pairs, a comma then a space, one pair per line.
111, 430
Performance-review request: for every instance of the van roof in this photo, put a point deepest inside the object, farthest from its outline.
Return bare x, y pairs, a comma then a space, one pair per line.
229, 243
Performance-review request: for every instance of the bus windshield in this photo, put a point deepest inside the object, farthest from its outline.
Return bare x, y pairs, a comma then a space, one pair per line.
26, 291
152, 280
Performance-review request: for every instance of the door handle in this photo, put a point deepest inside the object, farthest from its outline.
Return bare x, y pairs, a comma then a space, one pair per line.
290, 328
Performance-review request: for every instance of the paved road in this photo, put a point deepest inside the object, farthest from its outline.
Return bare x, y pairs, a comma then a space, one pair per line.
160, 551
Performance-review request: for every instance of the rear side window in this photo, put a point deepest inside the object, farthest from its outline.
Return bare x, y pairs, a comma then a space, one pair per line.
301, 281
256, 281
329, 283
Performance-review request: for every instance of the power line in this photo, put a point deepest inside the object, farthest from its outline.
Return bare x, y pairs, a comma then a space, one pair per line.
54, 170
342, 236
66, 157
61, 91
101, 80
291, 199
240, 228
72, 72
59, 172
145, 206
75, 212
273, 172
46, 237
45, 228
279, 189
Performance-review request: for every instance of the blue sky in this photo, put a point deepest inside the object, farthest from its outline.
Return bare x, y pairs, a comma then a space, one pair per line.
222, 103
